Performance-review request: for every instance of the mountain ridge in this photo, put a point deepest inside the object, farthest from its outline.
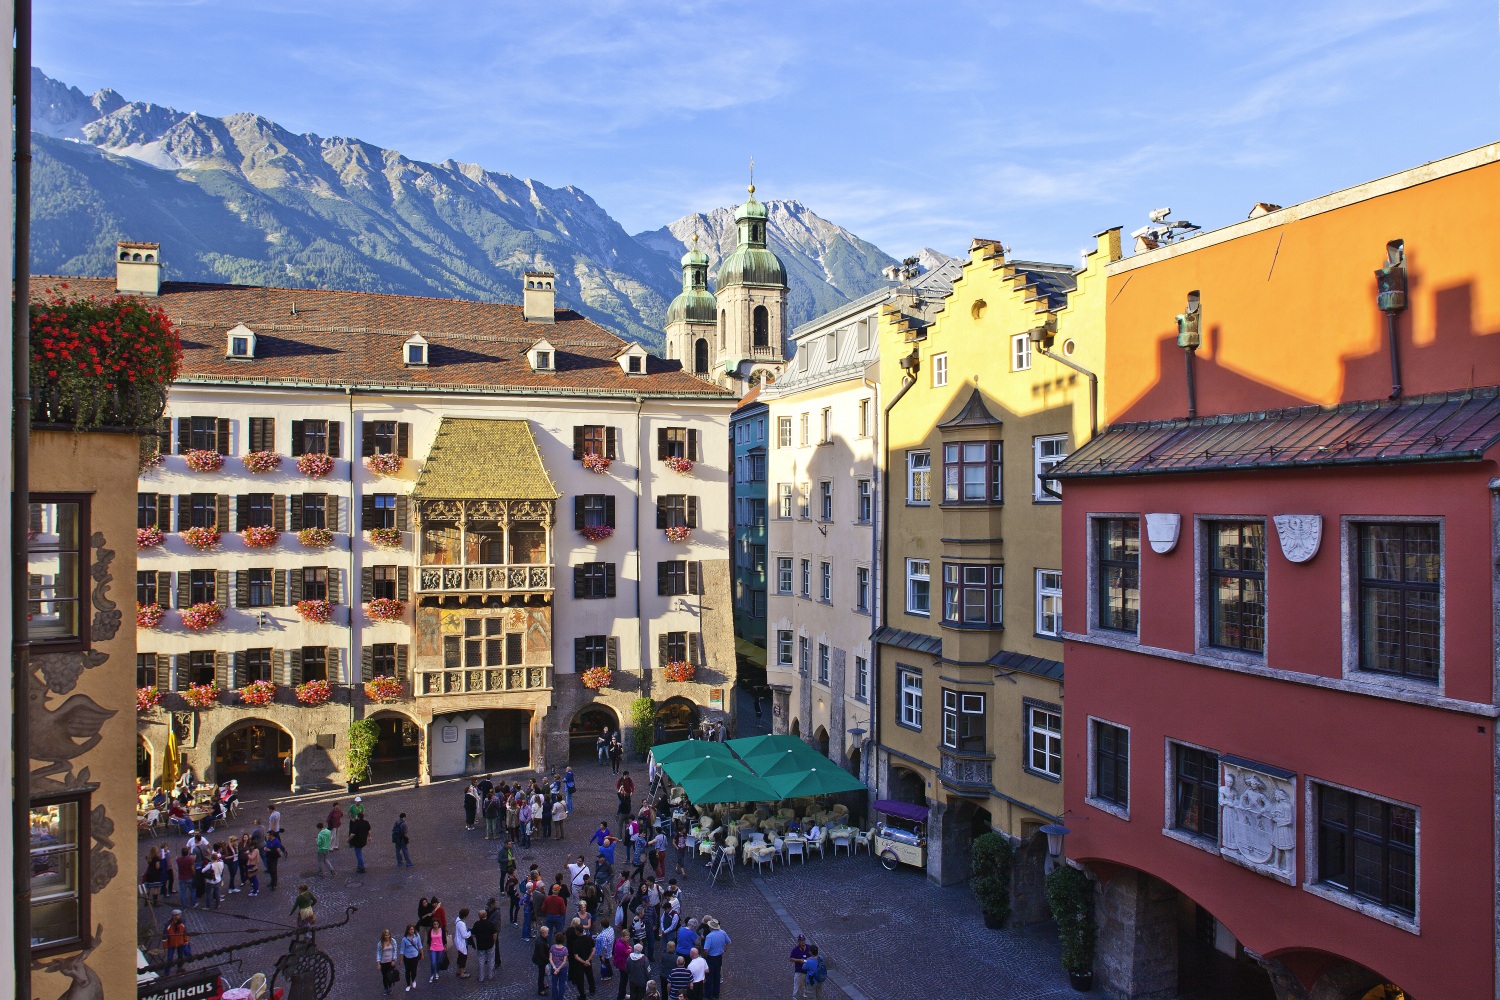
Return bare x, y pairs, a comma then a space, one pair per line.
242, 199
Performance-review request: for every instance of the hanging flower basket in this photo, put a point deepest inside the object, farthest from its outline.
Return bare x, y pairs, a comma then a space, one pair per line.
680, 670
202, 617
678, 533
383, 464
149, 615
595, 678
201, 695
385, 609
148, 538
316, 611
151, 461
147, 699
202, 539
315, 538
260, 462
314, 692
260, 537
388, 537
596, 532
383, 689
596, 463
203, 460
680, 465
258, 693
315, 465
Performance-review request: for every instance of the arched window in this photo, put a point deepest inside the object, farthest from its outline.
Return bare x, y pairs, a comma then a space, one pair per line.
700, 357
762, 327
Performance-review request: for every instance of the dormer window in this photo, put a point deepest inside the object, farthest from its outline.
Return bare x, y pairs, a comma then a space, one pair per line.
414, 351
543, 357
240, 343
635, 364
632, 360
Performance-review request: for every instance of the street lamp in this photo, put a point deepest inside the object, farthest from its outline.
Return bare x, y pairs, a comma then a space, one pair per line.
1055, 833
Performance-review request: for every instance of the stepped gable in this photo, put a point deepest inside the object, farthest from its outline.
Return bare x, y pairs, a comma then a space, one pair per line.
319, 337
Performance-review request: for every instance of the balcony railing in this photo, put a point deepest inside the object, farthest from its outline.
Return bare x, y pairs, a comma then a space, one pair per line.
967, 772
483, 680
483, 579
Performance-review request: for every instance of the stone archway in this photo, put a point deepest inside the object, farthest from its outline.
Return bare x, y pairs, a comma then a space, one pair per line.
675, 719
398, 748
797, 728
820, 740
584, 730
258, 753
146, 771
907, 785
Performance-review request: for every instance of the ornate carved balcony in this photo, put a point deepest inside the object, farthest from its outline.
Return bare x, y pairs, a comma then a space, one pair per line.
967, 773
482, 680
483, 579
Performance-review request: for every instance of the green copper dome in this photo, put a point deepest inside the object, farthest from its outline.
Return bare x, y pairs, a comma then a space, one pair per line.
695, 257
695, 306
752, 262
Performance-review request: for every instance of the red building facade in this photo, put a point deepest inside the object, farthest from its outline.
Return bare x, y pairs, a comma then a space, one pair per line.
1281, 613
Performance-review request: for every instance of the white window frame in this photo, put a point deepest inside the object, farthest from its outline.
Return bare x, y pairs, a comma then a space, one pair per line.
914, 577
909, 687
826, 425
865, 508
956, 703
1049, 590
825, 657
784, 646
806, 424
919, 462
784, 579
862, 678
939, 370
784, 509
804, 497
804, 654
862, 589
825, 500
1041, 463
806, 568
864, 418
1020, 353
783, 432
1052, 738
825, 582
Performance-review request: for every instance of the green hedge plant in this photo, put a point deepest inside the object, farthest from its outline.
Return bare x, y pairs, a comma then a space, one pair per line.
1070, 896
991, 857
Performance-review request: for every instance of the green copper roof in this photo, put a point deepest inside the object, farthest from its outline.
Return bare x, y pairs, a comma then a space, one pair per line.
695, 257
751, 209
484, 460
751, 265
695, 306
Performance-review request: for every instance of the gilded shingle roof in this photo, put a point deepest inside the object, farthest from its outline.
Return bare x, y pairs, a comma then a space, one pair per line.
484, 459
326, 338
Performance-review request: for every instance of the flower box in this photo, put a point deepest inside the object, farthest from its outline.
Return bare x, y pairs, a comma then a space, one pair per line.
388, 537
596, 463
315, 465
261, 462
678, 533
202, 617
680, 670
147, 699
314, 692
319, 612
680, 465
258, 693
595, 678
315, 538
201, 695
383, 689
148, 538
203, 460
385, 609
149, 615
383, 464
596, 532
202, 539
260, 537
152, 461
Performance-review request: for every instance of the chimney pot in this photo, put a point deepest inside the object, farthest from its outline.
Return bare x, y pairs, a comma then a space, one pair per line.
137, 268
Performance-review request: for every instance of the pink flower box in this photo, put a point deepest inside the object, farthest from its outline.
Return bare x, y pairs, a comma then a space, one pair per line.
314, 692
258, 693
261, 462
678, 533
202, 539
201, 695
147, 699
202, 617
596, 532
387, 537
383, 464
678, 464
148, 538
203, 460
596, 463
680, 670
315, 538
382, 689
385, 609
260, 537
315, 465
149, 615
319, 612
595, 678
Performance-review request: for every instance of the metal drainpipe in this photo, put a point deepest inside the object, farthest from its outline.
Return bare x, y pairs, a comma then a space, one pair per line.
643, 629
877, 518
20, 506
907, 381
1393, 332
352, 581
1192, 385
1093, 385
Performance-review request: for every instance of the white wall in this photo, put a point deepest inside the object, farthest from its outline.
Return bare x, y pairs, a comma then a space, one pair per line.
448, 759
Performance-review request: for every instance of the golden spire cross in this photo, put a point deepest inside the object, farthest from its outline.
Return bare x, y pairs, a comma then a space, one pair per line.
752, 175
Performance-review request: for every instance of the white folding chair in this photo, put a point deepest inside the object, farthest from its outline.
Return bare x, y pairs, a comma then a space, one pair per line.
862, 839
794, 848
763, 856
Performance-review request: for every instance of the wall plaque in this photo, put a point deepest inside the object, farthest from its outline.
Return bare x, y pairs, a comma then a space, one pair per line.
1299, 534
1258, 817
450, 734
1162, 531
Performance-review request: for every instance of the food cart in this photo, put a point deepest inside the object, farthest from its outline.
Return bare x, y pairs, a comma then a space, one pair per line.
900, 837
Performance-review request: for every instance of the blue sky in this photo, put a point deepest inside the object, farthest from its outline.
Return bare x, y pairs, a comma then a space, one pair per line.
911, 124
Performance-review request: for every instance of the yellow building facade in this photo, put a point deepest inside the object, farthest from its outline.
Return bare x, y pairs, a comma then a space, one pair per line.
982, 402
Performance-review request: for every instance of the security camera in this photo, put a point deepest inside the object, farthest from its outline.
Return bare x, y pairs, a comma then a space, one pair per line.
1160, 215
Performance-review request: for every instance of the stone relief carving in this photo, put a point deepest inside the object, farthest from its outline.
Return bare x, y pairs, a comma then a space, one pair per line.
1162, 531
1258, 820
1299, 535
107, 614
86, 984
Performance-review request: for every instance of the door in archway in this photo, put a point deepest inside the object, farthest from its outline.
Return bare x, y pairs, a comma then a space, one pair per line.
584, 730
507, 739
258, 754
675, 719
398, 748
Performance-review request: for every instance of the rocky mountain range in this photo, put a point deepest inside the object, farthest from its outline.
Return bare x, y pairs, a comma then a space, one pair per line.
241, 199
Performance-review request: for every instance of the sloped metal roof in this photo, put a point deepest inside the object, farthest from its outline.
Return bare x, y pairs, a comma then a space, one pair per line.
1443, 427
974, 414
484, 460
914, 641
1042, 667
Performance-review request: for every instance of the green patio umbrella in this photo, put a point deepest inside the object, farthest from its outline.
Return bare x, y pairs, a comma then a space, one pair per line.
826, 780
689, 748
751, 746
790, 761
737, 785
708, 765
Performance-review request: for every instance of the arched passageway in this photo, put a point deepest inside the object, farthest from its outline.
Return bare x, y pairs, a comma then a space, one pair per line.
585, 729
256, 753
146, 770
907, 785
820, 740
398, 748
675, 718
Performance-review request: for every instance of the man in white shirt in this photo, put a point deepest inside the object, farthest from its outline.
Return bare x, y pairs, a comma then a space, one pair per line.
698, 966
576, 871
273, 820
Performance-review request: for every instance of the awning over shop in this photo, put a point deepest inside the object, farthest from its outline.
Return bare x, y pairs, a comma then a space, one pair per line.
901, 810
484, 460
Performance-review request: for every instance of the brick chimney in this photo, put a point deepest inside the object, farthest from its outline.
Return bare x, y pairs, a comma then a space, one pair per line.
137, 268
537, 297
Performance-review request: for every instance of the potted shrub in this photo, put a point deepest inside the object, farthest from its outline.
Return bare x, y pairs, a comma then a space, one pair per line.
1070, 896
643, 718
991, 858
363, 735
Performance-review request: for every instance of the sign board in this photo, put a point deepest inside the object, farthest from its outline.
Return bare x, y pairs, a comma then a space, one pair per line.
450, 734
193, 986
716, 698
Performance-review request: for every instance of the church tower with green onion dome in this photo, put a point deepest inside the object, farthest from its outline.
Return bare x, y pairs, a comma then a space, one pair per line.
693, 317
750, 345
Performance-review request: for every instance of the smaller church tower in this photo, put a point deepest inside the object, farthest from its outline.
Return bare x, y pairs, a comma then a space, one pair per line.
750, 345
693, 316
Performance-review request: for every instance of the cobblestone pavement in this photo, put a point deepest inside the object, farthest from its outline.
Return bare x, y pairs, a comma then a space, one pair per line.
887, 934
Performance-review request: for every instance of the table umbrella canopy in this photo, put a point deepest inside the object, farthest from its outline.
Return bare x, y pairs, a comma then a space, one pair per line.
737, 784
707, 766
828, 779
754, 746
171, 758
789, 761
689, 748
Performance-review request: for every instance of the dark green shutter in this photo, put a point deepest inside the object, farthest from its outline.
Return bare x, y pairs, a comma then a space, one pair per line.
661, 578
296, 518
403, 511
609, 579
184, 511
366, 438
577, 443
694, 578
578, 512
278, 512
242, 588
661, 512
612, 653
609, 442
367, 511
184, 435
184, 595
298, 438
692, 512
221, 511
366, 663
692, 445
242, 667
367, 584
278, 588
609, 510
164, 511
242, 512
661, 444
579, 651
403, 583
578, 578
221, 436
402, 654
661, 650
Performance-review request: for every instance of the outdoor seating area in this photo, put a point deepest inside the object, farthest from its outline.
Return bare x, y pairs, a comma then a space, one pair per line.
764, 799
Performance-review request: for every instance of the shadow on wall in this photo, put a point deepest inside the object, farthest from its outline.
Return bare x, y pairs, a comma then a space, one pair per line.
315, 767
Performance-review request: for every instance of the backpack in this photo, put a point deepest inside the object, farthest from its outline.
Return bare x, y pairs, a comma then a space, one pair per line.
398, 834
815, 970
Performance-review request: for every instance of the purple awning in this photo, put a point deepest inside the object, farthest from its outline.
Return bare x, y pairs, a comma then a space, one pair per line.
902, 810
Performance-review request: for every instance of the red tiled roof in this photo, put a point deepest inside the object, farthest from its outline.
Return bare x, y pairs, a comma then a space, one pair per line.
356, 338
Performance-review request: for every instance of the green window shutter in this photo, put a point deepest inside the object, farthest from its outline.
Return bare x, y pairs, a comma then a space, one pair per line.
578, 654
403, 512
612, 653
298, 438
366, 584
609, 579
221, 436
692, 512
296, 518
221, 671
164, 511
661, 578
241, 511
366, 664
184, 594
661, 650
184, 511
242, 588
294, 586
609, 443
184, 435
403, 439
578, 581
609, 510
335, 586
661, 444
403, 653
366, 438
278, 512
278, 588
661, 512
294, 668
335, 438
694, 577
242, 667
221, 512
577, 443
692, 445
403, 583
331, 512
221, 588
367, 511
578, 513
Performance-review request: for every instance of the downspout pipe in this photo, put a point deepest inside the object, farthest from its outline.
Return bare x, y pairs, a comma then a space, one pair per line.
1192, 385
910, 364
20, 507
1046, 352
355, 434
